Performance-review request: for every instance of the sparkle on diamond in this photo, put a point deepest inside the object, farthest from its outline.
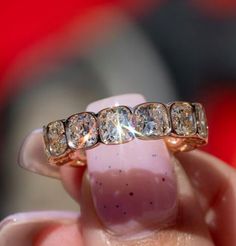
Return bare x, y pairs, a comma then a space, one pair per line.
56, 138
81, 130
151, 119
201, 119
115, 125
182, 117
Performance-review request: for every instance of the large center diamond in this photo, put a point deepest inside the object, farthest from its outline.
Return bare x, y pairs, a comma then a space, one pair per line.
115, 125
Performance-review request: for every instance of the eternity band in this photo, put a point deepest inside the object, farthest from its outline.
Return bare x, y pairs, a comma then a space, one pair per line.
182, 125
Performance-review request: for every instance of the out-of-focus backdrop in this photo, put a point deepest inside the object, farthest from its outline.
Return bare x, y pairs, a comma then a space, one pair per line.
57, 56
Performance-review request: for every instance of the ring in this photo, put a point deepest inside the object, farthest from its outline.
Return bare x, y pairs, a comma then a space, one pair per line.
182, 125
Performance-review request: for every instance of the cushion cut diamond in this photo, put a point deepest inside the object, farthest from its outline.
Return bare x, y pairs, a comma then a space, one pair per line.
56, 138
201, 120
115, 125
183, 120
151, 119
81, 130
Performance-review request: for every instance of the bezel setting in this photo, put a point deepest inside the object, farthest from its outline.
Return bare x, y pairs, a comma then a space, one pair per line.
151, 120
115, 125
182, 125
81, 130
55, 137
182, 119
202, 126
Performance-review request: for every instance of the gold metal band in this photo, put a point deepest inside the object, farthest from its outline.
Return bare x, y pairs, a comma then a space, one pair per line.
182, 125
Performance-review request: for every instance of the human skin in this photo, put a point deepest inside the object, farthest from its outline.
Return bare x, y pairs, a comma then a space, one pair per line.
207, 217
205, 212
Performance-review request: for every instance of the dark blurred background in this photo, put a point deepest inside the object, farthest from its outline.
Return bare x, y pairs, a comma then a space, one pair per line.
58, 56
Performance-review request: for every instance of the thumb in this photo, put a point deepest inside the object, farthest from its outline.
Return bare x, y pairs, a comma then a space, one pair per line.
134, 193
186, 228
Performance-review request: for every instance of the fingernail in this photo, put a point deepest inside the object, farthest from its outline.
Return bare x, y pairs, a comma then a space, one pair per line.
133, 185
33, 158
22, 228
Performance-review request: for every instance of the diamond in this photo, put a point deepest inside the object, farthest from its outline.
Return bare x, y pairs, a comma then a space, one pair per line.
183, 120
151, 119
56, 138
81, 130
201, 120
115, 125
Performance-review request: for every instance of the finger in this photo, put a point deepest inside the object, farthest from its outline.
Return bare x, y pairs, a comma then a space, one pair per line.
130, 196
63, 235
188, 228
39, 228
215, 186
33, 158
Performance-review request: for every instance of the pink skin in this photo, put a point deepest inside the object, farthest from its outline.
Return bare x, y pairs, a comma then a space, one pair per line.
131, 193
23, 229
32, 156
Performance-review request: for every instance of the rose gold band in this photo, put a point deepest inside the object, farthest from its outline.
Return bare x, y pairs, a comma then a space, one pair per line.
182, 125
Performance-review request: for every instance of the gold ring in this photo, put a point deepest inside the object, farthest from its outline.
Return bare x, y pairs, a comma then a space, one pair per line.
182, 125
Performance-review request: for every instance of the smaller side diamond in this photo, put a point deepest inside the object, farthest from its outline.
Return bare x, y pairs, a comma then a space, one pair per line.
115, 125
201, 120
81, 130
56, 138
183, 120
151, 119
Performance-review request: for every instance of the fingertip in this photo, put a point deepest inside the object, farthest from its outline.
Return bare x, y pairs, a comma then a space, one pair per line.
58, 234
32, 156
21, 229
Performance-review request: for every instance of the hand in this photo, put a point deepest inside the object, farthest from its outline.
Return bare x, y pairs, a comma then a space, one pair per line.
206, 214
135, 194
